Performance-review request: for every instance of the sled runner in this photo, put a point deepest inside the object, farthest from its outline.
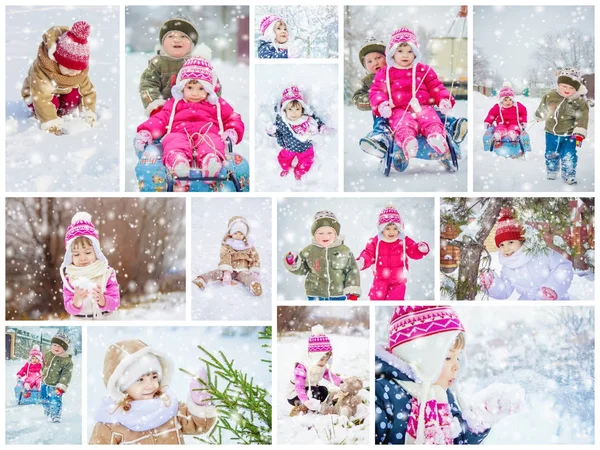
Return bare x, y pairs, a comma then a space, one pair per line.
506, 147
24, 397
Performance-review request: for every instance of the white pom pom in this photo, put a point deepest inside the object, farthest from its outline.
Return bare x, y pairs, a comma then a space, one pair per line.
507, 84
81, 215
317, 330
35, 347
203, 51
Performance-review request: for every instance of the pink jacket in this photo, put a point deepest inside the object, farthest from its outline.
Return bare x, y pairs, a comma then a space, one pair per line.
391, 257
111, 295
429, 88
193, 117
300, 380
515, 115
32, 374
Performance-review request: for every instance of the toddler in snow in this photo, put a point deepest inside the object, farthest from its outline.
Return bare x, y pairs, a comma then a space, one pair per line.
508, 116
389, 252
328, 265
379, 140
56, 375
140, 407
239, 260
294, 127
544, 277
194, 124
275, 40
305, 391
417, 396
57, 82
566, 113
405, 93
31, 372
90, 287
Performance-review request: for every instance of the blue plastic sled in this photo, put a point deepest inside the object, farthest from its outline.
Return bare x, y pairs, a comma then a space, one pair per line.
153, 176
22, 399
506, 148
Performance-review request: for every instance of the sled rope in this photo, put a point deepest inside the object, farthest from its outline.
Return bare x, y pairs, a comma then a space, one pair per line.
460, 42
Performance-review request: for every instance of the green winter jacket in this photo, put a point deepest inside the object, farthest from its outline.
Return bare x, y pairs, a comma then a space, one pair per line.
57, 370
361, 96
564, 116
330, 271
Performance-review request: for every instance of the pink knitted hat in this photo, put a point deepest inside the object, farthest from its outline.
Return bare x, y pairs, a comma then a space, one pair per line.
506, 91
290, 94
508, 229
72, 49
267, 25
318, 342
389, 215
403, 35
201, 70
35, 352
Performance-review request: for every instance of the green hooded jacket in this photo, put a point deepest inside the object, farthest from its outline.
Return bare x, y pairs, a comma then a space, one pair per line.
564, 116
361, 96
57, 370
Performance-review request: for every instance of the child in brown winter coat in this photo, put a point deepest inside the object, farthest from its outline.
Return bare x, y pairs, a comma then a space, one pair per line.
239, 260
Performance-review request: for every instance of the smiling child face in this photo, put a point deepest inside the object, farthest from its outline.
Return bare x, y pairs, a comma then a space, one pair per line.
325, 236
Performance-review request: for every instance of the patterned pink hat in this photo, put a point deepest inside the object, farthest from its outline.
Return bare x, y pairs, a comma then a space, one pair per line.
267, 24
508, 229
402, 35
506, 91
290, 94
201, 70
72, 49
318, 342
35, 352
389, 215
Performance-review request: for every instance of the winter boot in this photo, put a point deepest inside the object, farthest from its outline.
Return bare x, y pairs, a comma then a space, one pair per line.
211, 166
513, 136
298, 410
199, 281
570, 180
497, 136
551, 175
373, 147
411, 147
256, 288
438, 143
461, 127
181, 167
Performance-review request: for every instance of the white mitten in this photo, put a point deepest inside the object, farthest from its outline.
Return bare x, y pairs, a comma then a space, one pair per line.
313, 404
492, 404
360, 262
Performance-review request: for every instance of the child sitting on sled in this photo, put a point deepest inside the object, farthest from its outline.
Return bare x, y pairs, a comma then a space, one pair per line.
508, 117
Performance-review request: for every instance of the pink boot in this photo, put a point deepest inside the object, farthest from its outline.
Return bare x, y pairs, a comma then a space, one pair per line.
438, 143
211, 166
411, 147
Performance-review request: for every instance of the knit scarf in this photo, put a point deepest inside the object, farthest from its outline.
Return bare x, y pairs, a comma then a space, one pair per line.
238, 244
84, 277
516, 260
50, 68
299, 127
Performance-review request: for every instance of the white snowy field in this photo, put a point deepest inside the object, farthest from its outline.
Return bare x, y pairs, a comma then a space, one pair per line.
209, 225
319, 87
351, 355
240, 344
234, 82
27, 424
159, 306
498, 174
362, 174
358, 218
537, 348
87, 159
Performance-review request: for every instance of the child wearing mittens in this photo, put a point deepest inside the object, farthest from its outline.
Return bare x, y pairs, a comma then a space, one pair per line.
546, 276
329, 266
31, 372
417, 395
58, 81
56, 375
90, 287
388, 252
140, 407
239, 260
508, 115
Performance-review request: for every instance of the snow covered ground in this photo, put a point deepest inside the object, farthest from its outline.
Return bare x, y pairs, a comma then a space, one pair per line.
351, 356
361, 171
160, 306
27, 424
233, 78
87, 159
495, 173
319, 87
180, 343
358, 218
209, 225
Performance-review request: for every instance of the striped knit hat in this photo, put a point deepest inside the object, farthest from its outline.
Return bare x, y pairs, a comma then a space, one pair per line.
325, 219
81, 226
402, 36
267, 26
72, 49
507, 228
506, 91
201, 70
318, 342
61, 339
387, 216
35, 352
290, 94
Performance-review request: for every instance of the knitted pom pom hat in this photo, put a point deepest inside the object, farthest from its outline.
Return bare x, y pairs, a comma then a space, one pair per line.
507, 228
570, 76
267, 26
81, 226
35, 352
506, 91
325, 219
290, 94
402, 36
318, 341
72, 49
200, 69
388, 216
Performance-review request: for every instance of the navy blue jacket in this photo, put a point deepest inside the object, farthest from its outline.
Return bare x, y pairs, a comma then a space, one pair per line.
393, 405
267, 50
286, 139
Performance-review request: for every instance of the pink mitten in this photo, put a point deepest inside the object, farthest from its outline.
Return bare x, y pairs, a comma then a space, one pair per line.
548, 293
445, 106
142, 138
486, 279
423, 247
231, 134
271, 129
289, 258
360, 262
198, 395
385, 110
226, 278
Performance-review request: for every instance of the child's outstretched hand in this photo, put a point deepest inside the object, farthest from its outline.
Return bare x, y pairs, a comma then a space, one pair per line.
197, 385
547, 293
423, 247
385, 110
326, 130
98, 296
290, 258
494, 403
271, 129
142, 139
486, 279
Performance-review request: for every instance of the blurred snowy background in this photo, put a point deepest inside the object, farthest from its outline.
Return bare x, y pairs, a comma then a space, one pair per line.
358, 218
209, 225
87, 159
548, 350
143, 240
225, 29
526, 45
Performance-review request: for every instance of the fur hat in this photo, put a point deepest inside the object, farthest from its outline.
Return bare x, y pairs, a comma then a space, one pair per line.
388, 216
180, 24
507, 228
267, 26
81, 226
290, 94
406, 36
126, 361
371, 45
506, 91
570, 76
238, 223
35, 352
325, 219
72, 49
199, 69
61, 339
422, 336
318, 341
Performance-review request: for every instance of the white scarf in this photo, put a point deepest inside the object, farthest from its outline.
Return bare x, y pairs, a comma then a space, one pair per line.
238, 244
516, 260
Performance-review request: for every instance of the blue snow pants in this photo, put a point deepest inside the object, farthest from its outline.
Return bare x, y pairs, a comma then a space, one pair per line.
51, 402
561, 153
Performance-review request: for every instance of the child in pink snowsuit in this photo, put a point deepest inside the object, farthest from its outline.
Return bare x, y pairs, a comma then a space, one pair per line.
406, 91
195, 124
389, 251
31, 373
508, 115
